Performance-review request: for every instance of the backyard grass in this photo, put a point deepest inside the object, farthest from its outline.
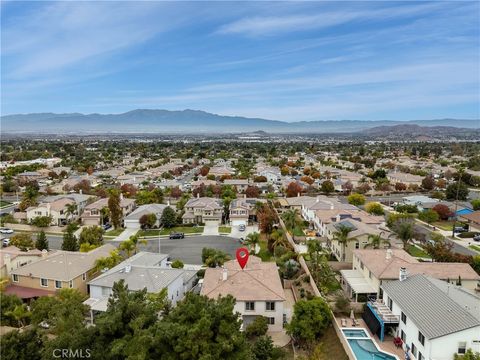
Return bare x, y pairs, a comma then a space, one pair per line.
114, 232
298, 231
264, 254
225, 229
475, 247
327, 347
417, 252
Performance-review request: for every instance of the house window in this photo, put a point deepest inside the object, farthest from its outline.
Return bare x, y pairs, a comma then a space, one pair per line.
404, 319
58, 284
420, 356
84, 276
43, 282
357, 245
462, 347
403, 336
414, 350
250, 306
15, 278
390, 304
271, 320
421, 338
270, 306
70, 284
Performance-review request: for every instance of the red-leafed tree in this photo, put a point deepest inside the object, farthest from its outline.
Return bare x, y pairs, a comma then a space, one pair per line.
293, 189
443, 211
252, 192
204, 170
307, 179
400, 186
176, 192
128, 190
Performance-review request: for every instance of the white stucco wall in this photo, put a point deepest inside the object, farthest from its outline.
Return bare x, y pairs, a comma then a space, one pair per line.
260, 310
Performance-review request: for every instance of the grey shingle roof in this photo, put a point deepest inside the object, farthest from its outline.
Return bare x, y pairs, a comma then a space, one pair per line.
431, 309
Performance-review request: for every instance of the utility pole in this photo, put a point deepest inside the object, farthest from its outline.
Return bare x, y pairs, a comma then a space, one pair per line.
460, 173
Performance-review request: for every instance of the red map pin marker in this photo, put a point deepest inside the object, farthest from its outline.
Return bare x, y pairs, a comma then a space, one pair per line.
242, 256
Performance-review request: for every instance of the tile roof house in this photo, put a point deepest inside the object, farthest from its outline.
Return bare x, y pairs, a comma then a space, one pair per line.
257, 289
92, 214
203, 210
372, 268
57, 209
438, 319
241, 211
143, 270
61, 269
473, 220
132, 221
12, 258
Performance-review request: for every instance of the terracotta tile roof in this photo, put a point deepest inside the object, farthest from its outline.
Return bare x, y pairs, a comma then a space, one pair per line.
27, 293
258, 281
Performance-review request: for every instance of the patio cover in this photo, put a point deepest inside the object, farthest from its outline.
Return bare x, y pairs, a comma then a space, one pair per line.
357, 282
97, 304
27, 293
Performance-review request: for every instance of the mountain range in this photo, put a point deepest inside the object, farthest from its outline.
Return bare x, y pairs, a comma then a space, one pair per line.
198, 122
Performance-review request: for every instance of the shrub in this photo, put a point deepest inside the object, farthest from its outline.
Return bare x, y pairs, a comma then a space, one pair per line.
356, 199
374, 208
342, 304
257, 327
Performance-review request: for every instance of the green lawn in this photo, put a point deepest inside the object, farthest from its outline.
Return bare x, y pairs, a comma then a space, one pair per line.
224, 229
114, 232
444, 225
4, 203
150, 232
183, 229
298, 231
417, 252
264, 254
475, 247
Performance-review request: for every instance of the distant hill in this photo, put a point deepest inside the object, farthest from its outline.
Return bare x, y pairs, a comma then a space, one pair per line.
195, 121
413, 131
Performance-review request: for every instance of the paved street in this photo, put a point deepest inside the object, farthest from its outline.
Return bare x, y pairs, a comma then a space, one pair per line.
189, 250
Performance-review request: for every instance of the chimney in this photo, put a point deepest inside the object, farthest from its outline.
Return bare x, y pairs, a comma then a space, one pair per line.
121, 196
317, 199
44, 253
80, 191
388, 254
198, 195
298, 194
403, 274
224, 274
128, 267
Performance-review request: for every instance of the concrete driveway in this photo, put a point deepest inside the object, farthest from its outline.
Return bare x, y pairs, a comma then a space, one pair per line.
125, 235
236, 233
210, 229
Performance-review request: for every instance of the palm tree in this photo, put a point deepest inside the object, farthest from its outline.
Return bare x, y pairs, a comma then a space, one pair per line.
342, 236
405, 231
375, 240
131, 245
20, 313
290, 218
252, 240
71, 209
278, 238
314, 248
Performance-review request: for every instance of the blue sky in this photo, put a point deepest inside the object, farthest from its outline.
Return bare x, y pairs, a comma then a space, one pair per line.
289, 61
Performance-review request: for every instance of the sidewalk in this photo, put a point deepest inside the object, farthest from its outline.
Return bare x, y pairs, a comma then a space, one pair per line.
125, 235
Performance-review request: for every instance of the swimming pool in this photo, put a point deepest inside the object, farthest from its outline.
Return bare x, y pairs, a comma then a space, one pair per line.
354, 333
363, 347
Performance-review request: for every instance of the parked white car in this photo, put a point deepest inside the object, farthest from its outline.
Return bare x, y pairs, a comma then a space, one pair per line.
6, 231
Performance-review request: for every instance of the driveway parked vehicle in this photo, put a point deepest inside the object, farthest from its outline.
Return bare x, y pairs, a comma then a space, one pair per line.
241, 227
5, 242
6, 231
177, 235
476, 237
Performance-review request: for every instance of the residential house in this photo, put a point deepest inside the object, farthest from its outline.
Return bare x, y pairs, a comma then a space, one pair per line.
219, 171
372, 268
405, 178
12, 258
135, 179
242, 211
257, 289
59, 270
57, 210
240, 184
143, 270
435, 320
92, 214
272, 174
132, 221
473, 220
203, 210
198, 183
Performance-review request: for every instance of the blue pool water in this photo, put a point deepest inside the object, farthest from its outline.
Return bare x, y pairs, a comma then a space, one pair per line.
366, 350
354, 333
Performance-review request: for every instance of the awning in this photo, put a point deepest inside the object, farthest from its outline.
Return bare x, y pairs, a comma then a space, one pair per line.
27, 293
97, 304
357, 282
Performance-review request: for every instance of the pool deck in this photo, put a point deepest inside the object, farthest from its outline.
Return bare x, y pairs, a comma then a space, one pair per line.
387, 345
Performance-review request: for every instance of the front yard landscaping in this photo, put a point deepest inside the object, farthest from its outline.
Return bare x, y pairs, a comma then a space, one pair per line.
417, 252
4, 203
114, 232
475, 247
224, 229
182, 229
445, 225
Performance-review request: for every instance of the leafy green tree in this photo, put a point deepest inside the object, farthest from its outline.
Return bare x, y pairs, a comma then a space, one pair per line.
8, 303
457, 187
309, 321
375, 241
356, 199
147, 221
257, 327
42, 241
115, 208
41, 221
23, 241
252, 240
20, 314
177, 264
429, 216
374, 208
327, 187
92, 235
201, 328
263, 349
469, 355
25, 345
70, 242
71, 210
405, 231
169, 218
108, 262
475, 204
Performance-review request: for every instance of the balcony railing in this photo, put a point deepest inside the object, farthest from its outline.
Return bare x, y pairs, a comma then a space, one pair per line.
384, 312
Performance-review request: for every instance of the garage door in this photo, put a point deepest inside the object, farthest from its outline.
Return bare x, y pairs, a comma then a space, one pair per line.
132, 224
212, 222
239, 222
